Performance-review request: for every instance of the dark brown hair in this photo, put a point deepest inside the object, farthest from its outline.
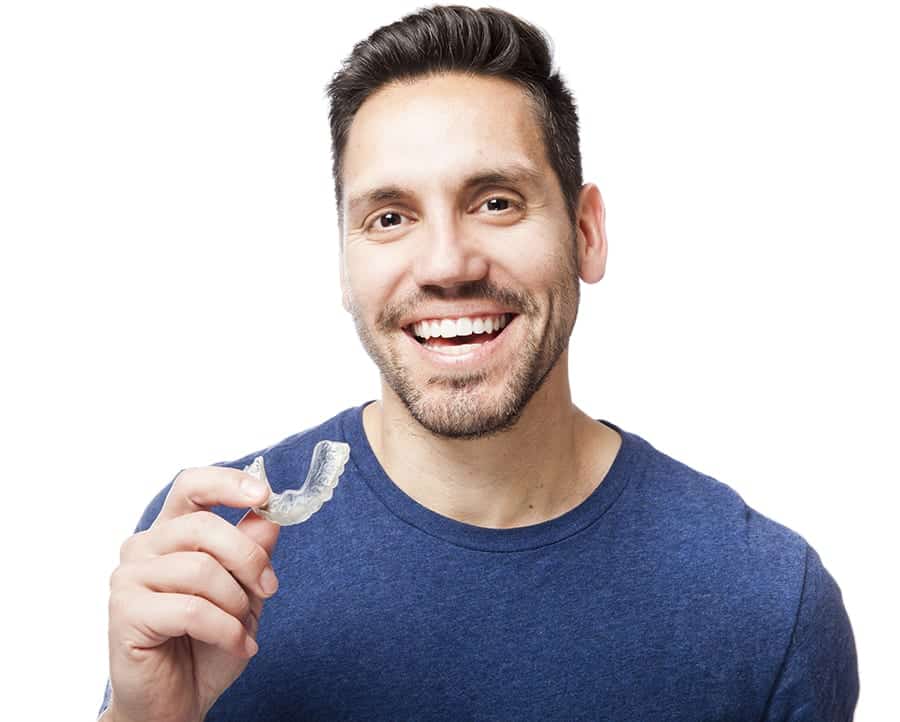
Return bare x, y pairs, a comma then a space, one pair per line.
442, 39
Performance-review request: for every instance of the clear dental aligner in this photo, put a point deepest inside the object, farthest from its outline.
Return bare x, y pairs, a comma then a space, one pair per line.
293, 506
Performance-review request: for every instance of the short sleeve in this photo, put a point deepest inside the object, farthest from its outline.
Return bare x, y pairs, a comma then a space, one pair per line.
819, 681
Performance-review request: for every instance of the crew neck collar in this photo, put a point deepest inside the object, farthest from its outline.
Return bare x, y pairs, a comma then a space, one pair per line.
589, 511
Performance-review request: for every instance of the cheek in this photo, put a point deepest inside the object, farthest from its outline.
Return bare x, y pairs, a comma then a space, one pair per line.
371, 278
531, 260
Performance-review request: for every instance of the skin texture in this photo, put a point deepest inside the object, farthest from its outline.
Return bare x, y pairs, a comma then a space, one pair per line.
186, 598
419, 241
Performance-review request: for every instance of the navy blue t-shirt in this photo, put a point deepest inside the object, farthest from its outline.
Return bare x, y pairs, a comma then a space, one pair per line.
662, 596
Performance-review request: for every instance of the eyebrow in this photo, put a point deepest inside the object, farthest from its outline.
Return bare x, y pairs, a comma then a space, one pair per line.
511, 174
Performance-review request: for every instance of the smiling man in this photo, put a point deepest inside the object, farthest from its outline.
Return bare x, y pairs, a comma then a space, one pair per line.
460, 266
491, 551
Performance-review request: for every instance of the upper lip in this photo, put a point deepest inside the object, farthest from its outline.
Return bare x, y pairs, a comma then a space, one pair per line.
454, 313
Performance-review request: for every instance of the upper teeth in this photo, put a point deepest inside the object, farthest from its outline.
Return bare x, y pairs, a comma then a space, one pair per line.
449, 328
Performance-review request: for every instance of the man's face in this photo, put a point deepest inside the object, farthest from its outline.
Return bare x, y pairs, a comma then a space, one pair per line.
453, 216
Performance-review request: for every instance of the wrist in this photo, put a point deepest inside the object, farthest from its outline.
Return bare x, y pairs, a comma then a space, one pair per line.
109, 715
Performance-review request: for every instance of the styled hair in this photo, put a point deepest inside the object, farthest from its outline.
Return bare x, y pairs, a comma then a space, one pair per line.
443, 39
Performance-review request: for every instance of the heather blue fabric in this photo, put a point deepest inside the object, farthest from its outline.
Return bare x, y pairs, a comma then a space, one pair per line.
663, 596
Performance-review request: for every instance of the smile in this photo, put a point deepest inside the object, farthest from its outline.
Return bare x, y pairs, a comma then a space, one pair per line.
459, 340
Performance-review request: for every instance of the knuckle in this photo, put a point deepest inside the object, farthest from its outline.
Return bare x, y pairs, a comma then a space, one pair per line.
255, 556
117, 578
183, 477
125, 550
205, 519
209, 517
235, 631
201, 524
118, 604
244, 609
192, 610
182, 483
206, 565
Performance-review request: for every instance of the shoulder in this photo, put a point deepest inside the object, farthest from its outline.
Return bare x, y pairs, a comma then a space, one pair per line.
287, 459
819, 675
758, 574
709, 535
696, 506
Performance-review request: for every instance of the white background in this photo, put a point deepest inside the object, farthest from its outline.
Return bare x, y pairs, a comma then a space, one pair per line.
170, 282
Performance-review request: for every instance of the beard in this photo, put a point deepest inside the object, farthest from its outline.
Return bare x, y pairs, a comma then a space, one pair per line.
462, 406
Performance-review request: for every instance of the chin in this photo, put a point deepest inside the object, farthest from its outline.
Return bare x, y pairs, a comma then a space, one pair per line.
472, 406
462, 413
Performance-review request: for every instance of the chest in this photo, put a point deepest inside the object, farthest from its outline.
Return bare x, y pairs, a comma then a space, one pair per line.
399, 633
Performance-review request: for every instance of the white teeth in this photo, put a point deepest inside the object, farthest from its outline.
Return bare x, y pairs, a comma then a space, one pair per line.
454, 350
450, 328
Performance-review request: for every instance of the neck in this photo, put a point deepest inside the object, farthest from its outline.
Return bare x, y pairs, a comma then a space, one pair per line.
545, 465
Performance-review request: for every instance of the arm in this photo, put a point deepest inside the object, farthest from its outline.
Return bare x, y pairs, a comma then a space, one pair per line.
818, 680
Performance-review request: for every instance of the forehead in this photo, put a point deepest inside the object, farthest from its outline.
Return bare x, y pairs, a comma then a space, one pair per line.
437, 130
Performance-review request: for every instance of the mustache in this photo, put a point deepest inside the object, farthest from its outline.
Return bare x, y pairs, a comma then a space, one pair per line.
518, 301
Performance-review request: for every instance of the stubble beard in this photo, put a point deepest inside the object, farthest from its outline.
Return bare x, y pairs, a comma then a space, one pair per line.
460, 406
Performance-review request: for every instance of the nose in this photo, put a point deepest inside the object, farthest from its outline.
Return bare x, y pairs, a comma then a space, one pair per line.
447, 257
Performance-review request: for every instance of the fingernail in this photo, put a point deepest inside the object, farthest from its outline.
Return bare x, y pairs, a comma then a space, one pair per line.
268, 581
253, 488
252, 646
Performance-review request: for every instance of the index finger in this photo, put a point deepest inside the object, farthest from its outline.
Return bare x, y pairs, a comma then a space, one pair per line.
203, 487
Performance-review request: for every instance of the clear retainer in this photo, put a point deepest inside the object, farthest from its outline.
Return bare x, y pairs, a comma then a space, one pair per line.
293, 506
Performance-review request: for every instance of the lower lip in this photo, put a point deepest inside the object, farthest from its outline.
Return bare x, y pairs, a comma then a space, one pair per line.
478, 355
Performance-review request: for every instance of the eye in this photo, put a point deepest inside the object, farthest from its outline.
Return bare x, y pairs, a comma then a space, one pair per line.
497, 204
386, 221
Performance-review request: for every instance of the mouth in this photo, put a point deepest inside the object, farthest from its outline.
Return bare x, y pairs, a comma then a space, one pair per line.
460, 340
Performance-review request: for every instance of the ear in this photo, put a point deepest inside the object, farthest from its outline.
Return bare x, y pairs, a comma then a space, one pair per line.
591, 234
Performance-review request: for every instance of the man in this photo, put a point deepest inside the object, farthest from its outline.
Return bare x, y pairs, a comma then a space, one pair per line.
491, 551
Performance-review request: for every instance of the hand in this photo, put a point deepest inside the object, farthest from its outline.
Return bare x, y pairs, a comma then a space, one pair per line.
186, 598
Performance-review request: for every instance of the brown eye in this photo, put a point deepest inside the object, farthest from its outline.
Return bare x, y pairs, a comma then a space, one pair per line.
497, 204
386, 220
